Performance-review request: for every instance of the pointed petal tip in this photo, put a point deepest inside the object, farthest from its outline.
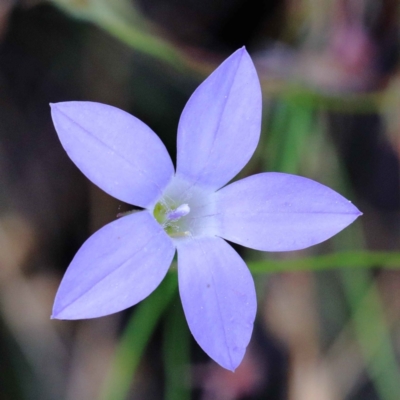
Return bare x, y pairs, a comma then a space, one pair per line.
60, 312
59, 105
53, 107
356, 211
241, 52
66, 314
63, 313
232, 365
56, 314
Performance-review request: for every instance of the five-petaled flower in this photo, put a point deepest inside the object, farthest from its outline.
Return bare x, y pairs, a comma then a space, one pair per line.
189, 210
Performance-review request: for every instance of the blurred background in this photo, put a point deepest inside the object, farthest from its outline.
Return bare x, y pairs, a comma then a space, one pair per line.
331, 97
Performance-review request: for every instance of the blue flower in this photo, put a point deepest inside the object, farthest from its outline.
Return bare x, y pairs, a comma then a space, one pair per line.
189, 210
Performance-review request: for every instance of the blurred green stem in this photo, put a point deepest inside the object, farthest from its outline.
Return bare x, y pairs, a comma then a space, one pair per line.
371, 328
135, 338
372, 332
121, 20
176, 353
339, 259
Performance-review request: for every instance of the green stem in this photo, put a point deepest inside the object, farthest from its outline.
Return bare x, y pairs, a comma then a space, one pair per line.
176, 353
372, 332
135, 338
340, 259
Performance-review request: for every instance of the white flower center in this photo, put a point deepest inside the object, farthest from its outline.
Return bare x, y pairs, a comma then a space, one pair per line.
184, 210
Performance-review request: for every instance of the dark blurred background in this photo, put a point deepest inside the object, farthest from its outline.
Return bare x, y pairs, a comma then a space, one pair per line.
329, 72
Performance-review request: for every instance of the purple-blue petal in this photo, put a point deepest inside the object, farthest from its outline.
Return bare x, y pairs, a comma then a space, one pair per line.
218, 298
220, 126
280, 212
115, 150
116, 267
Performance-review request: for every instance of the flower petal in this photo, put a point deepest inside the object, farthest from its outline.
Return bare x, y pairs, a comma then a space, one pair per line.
281, 212
218, 298
117, 267
115, 150
220, 126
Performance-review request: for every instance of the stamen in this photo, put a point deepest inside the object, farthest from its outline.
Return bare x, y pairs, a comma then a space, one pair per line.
180, 234
179, 212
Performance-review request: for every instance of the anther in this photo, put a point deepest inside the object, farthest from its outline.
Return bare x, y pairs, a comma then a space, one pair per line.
179, 212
